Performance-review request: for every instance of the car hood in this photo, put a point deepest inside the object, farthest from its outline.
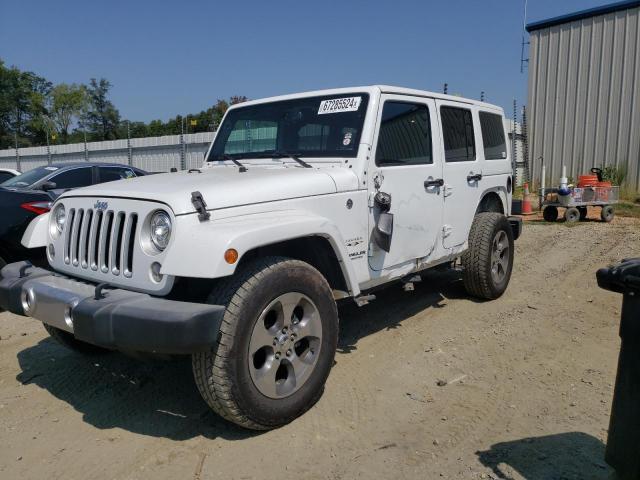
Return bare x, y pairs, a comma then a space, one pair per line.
225, 186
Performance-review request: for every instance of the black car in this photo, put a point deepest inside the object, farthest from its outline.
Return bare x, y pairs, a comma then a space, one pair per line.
30, 194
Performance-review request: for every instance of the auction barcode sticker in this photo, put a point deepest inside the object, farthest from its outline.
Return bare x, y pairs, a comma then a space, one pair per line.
336, 105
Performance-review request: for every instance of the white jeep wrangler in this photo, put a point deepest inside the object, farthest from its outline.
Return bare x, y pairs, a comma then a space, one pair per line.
302, 200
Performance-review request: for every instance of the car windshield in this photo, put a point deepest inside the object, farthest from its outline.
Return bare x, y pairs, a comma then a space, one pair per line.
28, 178
323, 126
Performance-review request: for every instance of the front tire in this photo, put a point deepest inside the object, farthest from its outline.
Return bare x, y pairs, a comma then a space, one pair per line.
489, 259
276, 345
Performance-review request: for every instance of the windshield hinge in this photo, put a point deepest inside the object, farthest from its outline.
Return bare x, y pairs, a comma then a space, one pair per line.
200, 205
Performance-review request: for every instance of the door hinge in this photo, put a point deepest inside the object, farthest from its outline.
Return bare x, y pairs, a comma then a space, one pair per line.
446, 230
447, 190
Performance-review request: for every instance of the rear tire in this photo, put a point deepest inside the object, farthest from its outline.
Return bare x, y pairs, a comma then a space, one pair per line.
69, 341
550, 214
571, 215
258, 375
607, 213
489, 259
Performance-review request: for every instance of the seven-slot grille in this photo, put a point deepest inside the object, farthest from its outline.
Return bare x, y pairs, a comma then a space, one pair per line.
100, 240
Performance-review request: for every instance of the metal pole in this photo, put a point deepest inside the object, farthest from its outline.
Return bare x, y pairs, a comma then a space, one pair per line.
48, 148
183, 162
15, 133
86, 151
129, 152
525, 145
514, 143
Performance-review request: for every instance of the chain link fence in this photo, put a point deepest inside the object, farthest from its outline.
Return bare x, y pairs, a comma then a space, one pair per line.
153, 154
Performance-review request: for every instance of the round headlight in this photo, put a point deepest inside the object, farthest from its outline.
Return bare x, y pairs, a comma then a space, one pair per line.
160, 229
58, 217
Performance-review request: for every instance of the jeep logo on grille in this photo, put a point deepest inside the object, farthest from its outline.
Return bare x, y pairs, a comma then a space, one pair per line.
101, 205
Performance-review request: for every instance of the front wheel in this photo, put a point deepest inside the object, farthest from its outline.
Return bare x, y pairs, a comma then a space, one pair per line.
276, 346
489, 259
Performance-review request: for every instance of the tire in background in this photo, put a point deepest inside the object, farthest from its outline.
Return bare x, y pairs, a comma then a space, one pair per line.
607, 213
550, 214
571, 215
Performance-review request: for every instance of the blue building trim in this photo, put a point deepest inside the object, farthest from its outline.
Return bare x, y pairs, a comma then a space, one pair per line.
591, 12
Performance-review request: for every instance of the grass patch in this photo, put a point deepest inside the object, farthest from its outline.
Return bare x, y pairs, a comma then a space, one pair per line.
627, 209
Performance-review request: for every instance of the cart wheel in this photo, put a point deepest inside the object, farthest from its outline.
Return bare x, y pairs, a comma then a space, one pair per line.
571, 215
583, 213
550, 214
607, 213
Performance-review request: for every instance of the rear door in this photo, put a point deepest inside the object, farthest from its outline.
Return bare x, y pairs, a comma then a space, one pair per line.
404, 158
462, 171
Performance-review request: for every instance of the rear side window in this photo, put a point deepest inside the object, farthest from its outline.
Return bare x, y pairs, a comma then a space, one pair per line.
110, 174
493, 141
405, 135
457, 130
4, 176
75, 178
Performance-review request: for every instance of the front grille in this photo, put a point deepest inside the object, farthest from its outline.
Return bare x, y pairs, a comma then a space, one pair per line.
102, 241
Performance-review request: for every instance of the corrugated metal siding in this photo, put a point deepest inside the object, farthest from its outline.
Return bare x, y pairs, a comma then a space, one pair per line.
584, 95
154, 154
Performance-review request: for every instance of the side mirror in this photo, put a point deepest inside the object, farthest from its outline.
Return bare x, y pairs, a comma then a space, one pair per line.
384, 231
46, 186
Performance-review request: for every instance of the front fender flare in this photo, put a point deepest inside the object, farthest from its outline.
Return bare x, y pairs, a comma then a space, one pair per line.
197, 250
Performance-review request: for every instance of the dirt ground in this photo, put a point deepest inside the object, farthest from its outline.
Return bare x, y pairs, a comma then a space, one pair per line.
530, 379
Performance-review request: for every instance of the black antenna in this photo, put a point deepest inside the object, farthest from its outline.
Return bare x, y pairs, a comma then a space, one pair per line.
446, 88
482, 96
524, 61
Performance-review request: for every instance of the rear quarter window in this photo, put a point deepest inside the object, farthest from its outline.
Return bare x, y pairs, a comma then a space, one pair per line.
495, 147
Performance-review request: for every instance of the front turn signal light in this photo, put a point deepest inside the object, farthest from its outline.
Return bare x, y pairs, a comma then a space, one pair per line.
231, 256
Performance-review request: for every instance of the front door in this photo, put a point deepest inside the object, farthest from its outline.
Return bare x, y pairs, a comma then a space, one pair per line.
462, 171
404, 158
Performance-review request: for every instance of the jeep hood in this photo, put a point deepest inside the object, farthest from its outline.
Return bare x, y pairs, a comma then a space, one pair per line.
225, 186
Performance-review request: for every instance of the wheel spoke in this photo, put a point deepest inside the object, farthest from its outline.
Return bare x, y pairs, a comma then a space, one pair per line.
261, 337
265, 377
288, 302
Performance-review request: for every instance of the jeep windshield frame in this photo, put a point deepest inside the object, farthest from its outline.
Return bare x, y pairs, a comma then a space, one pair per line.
293, 128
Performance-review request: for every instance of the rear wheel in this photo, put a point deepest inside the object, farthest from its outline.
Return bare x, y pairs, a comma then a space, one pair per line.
489, 259
68, 340
276, 345
550, 214
571, 215
607, 213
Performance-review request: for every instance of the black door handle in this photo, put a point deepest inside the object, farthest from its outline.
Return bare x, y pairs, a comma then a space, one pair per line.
474, 178
434, 183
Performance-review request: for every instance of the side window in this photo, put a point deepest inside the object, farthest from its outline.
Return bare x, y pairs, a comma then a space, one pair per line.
4, 176
405, 135
75, 178
252, 136
492, 127
110, 174
457, 130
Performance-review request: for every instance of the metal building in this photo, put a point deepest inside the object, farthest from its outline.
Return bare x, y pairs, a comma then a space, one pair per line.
584, 92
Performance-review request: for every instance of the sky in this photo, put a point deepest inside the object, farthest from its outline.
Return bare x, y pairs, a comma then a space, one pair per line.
169, 58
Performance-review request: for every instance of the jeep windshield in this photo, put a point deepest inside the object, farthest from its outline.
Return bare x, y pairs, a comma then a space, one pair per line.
323, 126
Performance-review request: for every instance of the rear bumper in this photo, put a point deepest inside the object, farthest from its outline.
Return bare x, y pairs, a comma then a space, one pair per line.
118, 319
516, 226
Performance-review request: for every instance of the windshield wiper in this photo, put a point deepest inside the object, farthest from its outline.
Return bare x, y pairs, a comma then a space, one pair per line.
293, 156
241, 167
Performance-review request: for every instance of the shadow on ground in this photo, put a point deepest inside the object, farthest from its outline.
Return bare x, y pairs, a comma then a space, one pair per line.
571, 455
159, 398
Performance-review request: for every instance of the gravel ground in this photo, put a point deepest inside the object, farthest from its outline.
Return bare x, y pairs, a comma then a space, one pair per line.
427, 384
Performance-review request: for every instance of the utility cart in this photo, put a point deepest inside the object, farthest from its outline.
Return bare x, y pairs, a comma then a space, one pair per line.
576, 202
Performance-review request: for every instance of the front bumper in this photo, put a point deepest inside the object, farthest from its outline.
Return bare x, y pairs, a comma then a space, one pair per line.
113, 318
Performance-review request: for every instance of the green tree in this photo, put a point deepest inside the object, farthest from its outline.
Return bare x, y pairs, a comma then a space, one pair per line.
102, 118
67, 104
